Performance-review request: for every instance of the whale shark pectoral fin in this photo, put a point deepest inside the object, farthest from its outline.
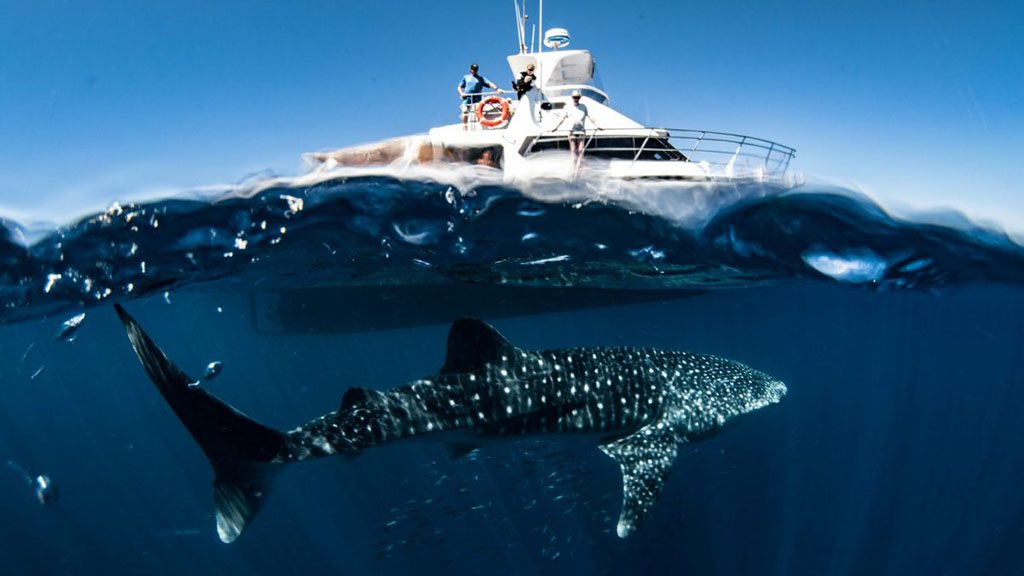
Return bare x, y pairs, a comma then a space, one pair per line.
646, 456
472, 344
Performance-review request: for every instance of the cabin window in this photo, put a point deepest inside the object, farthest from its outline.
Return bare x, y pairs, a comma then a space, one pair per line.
621, 148
490, 156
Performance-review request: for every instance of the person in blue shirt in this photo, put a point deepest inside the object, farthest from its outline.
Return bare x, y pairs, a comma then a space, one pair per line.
470, 88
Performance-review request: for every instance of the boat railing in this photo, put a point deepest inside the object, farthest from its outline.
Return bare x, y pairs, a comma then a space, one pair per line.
723, 153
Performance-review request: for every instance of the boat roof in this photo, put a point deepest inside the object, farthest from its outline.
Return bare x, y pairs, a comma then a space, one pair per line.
558, 68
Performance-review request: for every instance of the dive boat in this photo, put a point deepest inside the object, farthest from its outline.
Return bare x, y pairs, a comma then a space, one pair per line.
528, 137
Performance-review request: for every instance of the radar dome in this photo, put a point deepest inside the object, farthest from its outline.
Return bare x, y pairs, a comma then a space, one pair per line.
556, 38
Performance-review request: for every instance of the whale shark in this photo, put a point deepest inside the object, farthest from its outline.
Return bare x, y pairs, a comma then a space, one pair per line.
638, 404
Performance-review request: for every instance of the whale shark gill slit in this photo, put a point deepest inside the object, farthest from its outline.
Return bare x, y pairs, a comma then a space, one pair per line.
642, 402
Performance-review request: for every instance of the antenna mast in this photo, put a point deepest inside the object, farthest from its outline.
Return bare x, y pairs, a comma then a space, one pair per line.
520, 32
540, 46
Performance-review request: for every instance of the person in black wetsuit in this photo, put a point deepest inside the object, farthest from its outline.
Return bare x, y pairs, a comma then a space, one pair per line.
527, 78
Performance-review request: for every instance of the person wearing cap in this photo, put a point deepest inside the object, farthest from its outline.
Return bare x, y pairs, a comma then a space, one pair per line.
470, 88
526, 80
577, 115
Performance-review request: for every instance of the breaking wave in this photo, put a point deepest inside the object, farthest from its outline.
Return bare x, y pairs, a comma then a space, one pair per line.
375, 228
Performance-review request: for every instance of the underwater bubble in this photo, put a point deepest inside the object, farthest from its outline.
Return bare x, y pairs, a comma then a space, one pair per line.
46, 490
854, 267
417, 232
647, 253
560, 258
213, 369
43, 487
916, 265
530, 211
51, 280
295, 205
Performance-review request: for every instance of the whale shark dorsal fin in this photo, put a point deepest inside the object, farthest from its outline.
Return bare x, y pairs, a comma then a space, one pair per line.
360, 396
645, 457
472, 344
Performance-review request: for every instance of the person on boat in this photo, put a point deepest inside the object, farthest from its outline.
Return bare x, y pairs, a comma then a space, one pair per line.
525, 82
577, 115
487, 159
470, 87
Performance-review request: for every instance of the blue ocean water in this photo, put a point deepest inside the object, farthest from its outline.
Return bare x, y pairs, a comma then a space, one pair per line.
897, 449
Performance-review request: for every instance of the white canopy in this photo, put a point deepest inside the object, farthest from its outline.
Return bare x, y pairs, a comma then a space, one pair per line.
557, 68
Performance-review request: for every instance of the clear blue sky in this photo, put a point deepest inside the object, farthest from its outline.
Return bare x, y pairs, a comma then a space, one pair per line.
915, 102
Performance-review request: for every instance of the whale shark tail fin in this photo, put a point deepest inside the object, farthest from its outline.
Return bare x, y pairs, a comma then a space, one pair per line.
240, 449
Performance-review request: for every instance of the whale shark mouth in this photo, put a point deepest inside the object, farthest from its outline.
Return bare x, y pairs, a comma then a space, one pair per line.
777, 391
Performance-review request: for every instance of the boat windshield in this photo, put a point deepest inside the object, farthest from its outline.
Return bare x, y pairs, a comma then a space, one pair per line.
590, 92
616, 147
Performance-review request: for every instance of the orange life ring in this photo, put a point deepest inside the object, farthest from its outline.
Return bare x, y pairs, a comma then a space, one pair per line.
506, 113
